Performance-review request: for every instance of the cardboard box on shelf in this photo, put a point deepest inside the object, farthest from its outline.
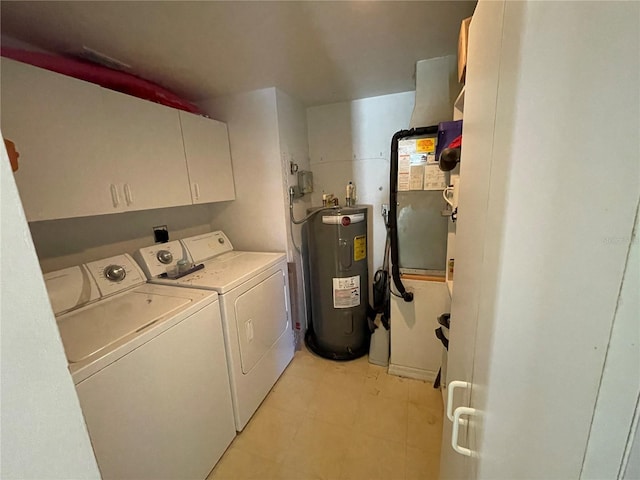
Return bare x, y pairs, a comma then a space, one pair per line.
463, 40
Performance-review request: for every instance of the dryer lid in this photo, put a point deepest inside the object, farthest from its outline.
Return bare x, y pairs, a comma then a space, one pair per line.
228, 271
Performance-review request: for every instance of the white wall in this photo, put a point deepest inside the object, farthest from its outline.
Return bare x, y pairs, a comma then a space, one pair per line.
256, 220
351, 141
43, 431
64, 243
294, 147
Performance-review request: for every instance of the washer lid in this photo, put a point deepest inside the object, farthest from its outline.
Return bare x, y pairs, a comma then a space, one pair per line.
70, 288
229, 270
96, 327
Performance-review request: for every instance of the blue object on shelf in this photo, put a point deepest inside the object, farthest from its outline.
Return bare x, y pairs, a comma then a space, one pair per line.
447, 132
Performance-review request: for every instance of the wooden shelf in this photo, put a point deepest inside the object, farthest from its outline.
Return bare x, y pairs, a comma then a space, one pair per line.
424, 278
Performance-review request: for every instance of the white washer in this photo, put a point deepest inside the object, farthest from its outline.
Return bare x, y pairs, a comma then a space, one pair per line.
149, 368
253, 289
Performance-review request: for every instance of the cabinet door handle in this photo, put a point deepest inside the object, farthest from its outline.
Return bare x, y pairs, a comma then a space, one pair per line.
457, 421
127, 194
196, 190
115, 198
450, 389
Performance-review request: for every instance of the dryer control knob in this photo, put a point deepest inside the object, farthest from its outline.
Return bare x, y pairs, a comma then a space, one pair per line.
165, 256
221, 240
115, 273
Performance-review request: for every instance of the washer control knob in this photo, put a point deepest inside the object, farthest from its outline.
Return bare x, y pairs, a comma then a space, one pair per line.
115, 273
165, 256
220, 240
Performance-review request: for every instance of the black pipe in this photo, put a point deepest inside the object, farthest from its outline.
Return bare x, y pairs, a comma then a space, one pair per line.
393, 203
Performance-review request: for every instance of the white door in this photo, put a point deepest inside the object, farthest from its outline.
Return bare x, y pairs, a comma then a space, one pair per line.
145, 148
206, 146
261, 319
56, 124
557, 234
485, 36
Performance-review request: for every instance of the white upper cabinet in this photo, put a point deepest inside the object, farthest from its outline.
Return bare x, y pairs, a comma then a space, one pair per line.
206, 146
145, 147
54, 122
85, 150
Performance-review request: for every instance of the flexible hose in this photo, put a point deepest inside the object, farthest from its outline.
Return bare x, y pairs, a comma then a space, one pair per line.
393, 204
300, 222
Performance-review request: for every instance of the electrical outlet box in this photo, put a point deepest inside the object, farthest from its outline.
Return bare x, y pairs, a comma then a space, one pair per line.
161, 234
305, 181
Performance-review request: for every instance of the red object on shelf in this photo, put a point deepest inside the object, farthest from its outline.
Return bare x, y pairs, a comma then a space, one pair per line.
456, 142
106, 77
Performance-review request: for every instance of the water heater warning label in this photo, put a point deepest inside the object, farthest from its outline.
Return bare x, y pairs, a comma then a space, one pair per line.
346, 292
360, 248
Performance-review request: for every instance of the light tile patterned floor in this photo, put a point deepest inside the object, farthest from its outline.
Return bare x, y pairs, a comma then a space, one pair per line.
326, 420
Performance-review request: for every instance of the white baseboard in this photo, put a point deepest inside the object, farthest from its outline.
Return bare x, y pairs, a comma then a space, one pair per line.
410, 372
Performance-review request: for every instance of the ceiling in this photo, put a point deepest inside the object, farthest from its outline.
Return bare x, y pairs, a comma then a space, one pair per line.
317, 51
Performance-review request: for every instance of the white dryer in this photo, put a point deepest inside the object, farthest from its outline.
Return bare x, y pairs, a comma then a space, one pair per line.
253, 290
149, 368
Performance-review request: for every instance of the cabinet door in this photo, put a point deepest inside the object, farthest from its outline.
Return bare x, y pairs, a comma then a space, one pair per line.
145, 147
206, 145
55, 122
